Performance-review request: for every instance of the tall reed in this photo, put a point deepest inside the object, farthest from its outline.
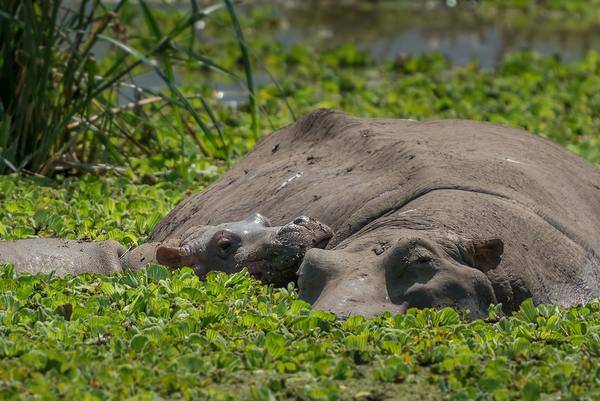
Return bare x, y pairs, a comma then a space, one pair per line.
58, 102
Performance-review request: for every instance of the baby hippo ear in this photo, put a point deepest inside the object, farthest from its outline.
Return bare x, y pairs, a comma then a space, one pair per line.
172, 257
484, 255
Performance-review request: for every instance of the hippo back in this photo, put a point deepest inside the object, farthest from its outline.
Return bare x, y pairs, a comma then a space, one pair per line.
348, 171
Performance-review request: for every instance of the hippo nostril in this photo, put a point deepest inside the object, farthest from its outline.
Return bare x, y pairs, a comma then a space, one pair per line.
300, 220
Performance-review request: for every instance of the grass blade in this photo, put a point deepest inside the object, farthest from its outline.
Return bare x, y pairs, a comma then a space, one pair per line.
182, 99
247, 66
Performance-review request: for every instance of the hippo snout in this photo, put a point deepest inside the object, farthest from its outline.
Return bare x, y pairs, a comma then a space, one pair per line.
283, 253
305, 231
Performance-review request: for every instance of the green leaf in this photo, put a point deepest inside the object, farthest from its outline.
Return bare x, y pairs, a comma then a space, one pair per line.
139, 342
156, 272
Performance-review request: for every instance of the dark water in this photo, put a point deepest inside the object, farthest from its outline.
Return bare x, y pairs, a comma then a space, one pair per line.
390, 29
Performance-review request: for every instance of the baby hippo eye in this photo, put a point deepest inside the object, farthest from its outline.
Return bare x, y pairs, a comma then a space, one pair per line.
301, 220
225, 243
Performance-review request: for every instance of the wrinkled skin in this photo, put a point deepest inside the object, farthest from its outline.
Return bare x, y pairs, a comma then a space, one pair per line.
271, 254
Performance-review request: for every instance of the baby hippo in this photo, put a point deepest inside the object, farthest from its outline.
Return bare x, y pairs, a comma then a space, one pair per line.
271, 254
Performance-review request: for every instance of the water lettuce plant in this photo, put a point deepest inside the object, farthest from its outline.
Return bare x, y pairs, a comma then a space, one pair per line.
161, 335
156, 334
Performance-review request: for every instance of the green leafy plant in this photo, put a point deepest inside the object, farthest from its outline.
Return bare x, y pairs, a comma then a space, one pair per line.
392, 369
161, 334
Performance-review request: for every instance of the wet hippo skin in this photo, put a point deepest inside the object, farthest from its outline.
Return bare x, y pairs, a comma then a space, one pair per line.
423, 213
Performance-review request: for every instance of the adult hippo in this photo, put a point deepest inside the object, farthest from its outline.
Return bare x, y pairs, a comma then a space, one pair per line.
423, 213
435, 213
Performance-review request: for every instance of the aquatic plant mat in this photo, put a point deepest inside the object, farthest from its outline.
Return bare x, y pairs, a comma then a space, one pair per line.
157, 335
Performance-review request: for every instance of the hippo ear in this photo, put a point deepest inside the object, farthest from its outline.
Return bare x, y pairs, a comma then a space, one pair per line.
172, 257
484, 255
258, 218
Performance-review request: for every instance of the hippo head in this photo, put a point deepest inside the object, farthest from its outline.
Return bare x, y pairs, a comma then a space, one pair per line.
271, 254
393, 270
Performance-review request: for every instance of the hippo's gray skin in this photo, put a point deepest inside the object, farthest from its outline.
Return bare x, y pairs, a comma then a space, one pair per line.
433, 213
62, 256
272, 254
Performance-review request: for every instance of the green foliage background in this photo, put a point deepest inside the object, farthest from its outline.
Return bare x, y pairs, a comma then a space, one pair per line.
161, 335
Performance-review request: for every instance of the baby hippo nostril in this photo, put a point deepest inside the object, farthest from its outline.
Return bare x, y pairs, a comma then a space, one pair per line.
303, 233
301, 220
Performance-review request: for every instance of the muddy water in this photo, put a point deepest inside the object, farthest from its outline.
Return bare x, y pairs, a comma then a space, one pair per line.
390, 29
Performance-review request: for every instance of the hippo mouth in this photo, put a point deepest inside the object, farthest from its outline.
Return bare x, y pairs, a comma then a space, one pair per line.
276, 272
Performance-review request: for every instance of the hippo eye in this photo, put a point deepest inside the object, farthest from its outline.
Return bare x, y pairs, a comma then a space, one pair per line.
224, 245
300, 220
421, 257
225, 242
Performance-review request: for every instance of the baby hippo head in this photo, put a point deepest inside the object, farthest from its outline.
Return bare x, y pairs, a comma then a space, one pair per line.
271, 254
